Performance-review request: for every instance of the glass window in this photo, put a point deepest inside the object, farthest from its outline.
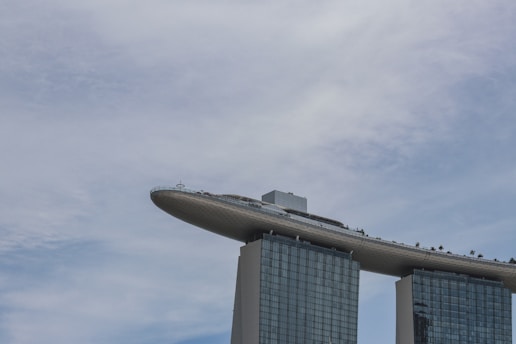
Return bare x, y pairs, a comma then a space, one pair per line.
317, 294
463, 309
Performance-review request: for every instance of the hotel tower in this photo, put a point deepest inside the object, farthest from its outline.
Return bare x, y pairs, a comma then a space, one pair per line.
298, 275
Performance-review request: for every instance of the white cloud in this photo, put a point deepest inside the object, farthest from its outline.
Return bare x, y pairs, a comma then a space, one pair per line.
366, 109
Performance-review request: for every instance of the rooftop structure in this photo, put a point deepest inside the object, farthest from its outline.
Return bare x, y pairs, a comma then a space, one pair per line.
245, 219
287, 200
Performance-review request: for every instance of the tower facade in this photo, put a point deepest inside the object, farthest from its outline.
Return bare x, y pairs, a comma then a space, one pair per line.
442, 307
290, 292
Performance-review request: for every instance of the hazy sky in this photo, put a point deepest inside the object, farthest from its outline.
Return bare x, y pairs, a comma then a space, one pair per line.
397, 117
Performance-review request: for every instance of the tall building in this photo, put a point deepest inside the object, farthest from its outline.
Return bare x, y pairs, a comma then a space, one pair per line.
450, 308
297, 278
290, 292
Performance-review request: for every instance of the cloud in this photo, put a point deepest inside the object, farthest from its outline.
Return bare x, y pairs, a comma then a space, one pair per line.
392, 117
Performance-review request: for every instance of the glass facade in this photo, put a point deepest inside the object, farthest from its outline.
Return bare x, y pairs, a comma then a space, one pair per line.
454, 308
308, 294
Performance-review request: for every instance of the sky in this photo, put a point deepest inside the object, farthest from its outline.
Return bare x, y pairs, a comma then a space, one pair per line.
397, 117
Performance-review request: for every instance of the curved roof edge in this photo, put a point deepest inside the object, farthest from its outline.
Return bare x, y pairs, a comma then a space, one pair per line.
244, 220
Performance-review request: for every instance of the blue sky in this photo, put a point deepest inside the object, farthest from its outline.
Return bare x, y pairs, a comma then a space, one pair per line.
394, 117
